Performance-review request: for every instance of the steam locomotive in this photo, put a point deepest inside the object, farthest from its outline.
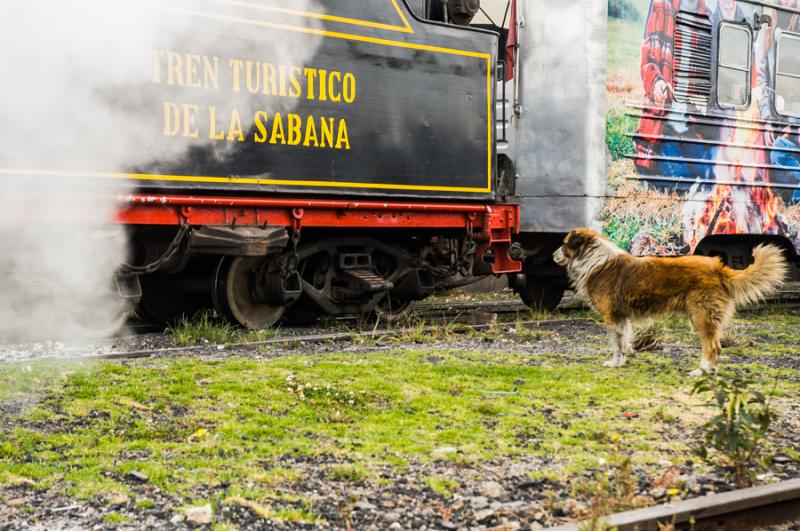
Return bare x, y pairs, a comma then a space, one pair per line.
286, 160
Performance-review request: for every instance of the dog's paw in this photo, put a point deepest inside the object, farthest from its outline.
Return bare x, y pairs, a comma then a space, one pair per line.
697, 373
614, 363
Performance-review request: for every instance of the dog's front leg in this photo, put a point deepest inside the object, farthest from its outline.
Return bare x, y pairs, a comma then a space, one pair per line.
621, 335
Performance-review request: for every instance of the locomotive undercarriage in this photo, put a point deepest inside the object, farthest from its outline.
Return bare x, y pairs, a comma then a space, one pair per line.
258, 261
322, 274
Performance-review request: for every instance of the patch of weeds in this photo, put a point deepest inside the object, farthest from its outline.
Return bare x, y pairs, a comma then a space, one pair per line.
209, 327
455, 389
737, 337
276, 477
441, 485
333, 404
115, 518
665, 415
289, 514
421, 332
529, 334
347, 472
259, 335
206, 326
254, 507
737, 433
145, 504
539, 315
488, 408
649, 339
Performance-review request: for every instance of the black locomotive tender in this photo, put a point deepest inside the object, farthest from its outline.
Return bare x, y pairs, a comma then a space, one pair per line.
335, 157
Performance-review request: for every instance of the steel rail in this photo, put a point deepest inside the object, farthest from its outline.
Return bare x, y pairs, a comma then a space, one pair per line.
738, 509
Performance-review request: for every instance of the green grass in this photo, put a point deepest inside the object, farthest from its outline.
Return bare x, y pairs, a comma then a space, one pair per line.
223, 427
442, 485
209, 327
115, 518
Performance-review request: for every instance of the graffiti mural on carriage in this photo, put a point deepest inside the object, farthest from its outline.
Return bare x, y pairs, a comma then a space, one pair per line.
703, 122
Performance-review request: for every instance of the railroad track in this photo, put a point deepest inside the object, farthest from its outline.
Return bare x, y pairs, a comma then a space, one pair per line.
373, 335
453, 311
470, 316
775, 506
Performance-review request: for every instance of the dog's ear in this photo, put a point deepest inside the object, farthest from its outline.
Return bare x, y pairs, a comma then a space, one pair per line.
576, 241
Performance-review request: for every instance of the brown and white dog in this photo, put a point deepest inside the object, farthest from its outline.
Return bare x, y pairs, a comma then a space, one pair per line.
624, 288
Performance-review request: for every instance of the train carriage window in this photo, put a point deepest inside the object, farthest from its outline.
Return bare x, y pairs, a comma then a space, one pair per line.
787, 77
734, 65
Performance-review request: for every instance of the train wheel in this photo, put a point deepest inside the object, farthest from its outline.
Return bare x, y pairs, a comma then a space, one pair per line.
537, 294
234, 293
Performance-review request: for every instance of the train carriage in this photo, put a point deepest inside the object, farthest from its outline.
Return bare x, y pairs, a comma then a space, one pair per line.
709, 159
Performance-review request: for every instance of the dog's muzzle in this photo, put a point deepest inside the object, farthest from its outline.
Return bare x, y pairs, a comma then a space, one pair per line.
559, 257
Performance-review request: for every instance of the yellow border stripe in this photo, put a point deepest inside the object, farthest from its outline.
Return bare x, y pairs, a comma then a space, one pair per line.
232, 180
332, 34
402, 16
405, 28
491, 119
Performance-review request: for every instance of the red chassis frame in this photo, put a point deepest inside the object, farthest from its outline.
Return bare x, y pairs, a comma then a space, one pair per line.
492, 225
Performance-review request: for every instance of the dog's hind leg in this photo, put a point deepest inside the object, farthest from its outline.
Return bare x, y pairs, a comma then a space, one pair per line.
621, 335
709, 328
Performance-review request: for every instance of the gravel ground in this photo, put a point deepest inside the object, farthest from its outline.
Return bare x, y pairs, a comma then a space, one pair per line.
495, 495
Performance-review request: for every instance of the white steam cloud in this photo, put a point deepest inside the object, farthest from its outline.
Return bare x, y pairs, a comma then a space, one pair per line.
78, 106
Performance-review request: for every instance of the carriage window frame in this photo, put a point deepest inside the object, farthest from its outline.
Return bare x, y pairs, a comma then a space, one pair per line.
749, 70
783, 35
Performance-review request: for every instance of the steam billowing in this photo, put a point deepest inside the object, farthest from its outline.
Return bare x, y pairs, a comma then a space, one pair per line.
79, 110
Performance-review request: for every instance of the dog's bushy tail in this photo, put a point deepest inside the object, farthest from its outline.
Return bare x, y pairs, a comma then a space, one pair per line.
764, 276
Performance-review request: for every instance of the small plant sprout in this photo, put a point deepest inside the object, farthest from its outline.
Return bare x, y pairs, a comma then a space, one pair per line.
737, 433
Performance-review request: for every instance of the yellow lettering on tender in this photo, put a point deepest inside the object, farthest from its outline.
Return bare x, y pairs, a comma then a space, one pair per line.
323, 85
270, 84
326, 132
342, 139
235, 131
311, 76
253, 77
311, 133
277, 130
192, 66
282, 70
349, 88
172, 119
236, 68
334, 96
189, 115
157, 56
211, 72
213, 134
260, 135
296, 89
175, 69
295, 135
